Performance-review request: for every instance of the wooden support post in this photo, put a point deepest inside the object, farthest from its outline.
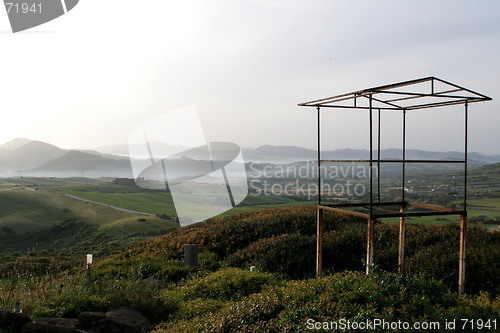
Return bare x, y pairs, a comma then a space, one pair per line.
402, 230
463, 245
369, 244
319, 242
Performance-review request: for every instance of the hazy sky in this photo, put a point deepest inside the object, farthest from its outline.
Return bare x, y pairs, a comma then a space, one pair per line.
90, 77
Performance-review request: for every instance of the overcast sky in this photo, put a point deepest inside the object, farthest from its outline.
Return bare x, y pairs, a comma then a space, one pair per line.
88, 78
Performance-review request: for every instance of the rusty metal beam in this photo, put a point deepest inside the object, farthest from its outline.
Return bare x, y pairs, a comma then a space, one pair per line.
416, 214
459, 87
412, 95
382, 210
431, 207
437, 104
393, 161
362, 204
345, 211
418, 96
400, 84
348, 107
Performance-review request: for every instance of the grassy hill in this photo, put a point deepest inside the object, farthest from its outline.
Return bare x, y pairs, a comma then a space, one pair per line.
222, 295
31, 206
47, 219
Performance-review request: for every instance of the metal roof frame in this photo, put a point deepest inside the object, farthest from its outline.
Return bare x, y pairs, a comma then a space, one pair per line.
385, 97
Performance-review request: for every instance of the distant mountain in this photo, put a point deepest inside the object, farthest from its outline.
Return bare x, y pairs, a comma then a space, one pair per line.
33, 154
106, 155
289, 154
278, 153
123, 150
21, 154
78, 163
24, 157
487, 169
14, 144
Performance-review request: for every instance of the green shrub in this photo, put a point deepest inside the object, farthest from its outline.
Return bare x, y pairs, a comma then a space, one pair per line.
209, 261
290, 255
144, 297
198, 307
226, 235
139, 268
351, 296
104, 296
71, 305
227, 284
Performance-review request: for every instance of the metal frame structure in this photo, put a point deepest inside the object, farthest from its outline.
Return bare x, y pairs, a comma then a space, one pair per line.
403, 97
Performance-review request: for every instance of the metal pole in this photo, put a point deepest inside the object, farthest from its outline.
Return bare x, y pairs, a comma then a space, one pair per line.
403, 148
402, 208
466, 116
370, 244
319, 218
319, 157
319, 242
371, 157
463, 217
402, 231
371, 221
378, 159
463, 245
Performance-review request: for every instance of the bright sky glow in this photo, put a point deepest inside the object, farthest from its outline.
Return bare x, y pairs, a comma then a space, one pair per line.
88, 78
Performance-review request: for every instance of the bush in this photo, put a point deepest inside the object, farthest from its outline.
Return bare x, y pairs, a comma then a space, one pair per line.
71, 305
139, 268
292, 256
226, 235
209, 261
350, 296
198, 307
143, 297
227, 284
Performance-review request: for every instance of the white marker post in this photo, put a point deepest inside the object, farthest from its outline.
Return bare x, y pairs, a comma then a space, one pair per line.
89, 269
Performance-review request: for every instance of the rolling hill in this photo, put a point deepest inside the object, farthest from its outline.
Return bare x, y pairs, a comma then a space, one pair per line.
74, 163
24, 157
44, 219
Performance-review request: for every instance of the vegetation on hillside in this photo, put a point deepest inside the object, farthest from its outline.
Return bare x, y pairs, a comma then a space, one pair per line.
222, 295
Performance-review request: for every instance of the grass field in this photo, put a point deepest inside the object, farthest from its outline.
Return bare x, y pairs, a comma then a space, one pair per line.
161, 202
28, 218
147, 202
486, 202
451, 219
